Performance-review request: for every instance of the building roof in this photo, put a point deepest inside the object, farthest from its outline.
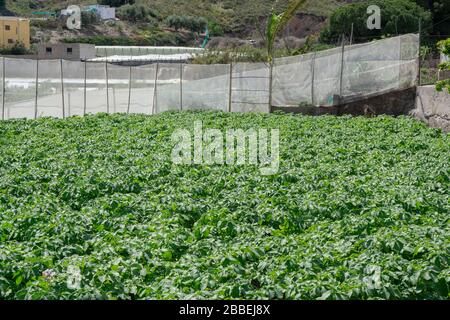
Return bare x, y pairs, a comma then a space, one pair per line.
64, 44
12, 18
146, 58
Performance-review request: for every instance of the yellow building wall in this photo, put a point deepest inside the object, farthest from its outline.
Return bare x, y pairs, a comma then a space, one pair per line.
19, 31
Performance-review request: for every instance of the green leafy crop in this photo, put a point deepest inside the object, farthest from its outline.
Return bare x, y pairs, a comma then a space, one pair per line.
359, 210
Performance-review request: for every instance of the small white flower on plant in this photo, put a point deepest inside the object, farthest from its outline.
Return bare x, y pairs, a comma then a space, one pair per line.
49, 273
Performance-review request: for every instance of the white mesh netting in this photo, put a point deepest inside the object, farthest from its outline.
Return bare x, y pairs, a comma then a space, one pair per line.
65, 88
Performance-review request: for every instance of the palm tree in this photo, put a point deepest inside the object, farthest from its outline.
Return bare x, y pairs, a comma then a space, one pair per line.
277, 22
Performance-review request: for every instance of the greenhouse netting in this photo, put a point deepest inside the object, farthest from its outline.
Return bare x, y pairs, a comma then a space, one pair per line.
39, 88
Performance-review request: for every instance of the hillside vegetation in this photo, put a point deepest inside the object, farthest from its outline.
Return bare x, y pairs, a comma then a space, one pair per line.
234, 17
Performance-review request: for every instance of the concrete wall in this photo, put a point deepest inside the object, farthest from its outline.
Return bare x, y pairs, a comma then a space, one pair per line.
394, 103
423, 103
59, 51
433, 107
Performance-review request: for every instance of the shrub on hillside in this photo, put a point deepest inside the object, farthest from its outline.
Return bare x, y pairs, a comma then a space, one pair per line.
136, 13
397, 17
89, 18
194, 24
215, 29
154, 39
17, 49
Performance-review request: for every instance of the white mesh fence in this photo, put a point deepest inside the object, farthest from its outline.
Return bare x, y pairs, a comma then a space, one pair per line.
74, 81
205, 87
143, 89
65, 88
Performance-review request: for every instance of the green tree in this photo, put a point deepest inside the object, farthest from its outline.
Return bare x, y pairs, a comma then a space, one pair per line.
397, 17
89, 18
277, 22
194, 24
136, 13
174, 21
445, 49
440, 10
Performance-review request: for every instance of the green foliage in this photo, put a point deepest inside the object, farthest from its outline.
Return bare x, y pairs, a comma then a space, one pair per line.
194, 24
445, 49
89, 18
17, 49
440, 10
234, 17
215, 29
157, 38
136, 13
397, 16
277, 22
252, 54
226, 56
358, 210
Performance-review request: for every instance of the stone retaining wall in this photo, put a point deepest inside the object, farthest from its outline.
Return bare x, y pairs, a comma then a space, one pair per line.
433, 107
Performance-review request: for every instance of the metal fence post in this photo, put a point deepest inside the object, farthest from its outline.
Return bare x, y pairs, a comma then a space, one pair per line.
107, 82
313, 75
85, 87
114, 100
68, 104
400, 61
419, 76
107, 88
230, 88
129, 90
342, 69
181, 86
270, 86
37, 90
3, 88
62, 89
351, 34
155, 92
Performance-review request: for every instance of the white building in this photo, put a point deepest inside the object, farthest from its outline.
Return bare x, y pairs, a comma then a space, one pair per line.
104, 12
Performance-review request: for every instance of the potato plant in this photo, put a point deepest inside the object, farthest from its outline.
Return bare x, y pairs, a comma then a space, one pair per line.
94, 208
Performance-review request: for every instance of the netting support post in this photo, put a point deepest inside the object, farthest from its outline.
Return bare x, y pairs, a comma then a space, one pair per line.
351, 34
400, 59
68, 104
114, 100
62, 88
129, 90
155, 92
419, 75
181, 86
230, 88
270, 85
3, 88
37, 90
341, 76
107, 82
313, 75
85, 88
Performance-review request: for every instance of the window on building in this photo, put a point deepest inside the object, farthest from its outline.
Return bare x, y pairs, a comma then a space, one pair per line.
69, 50
10, 41
7, 27
48, 50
